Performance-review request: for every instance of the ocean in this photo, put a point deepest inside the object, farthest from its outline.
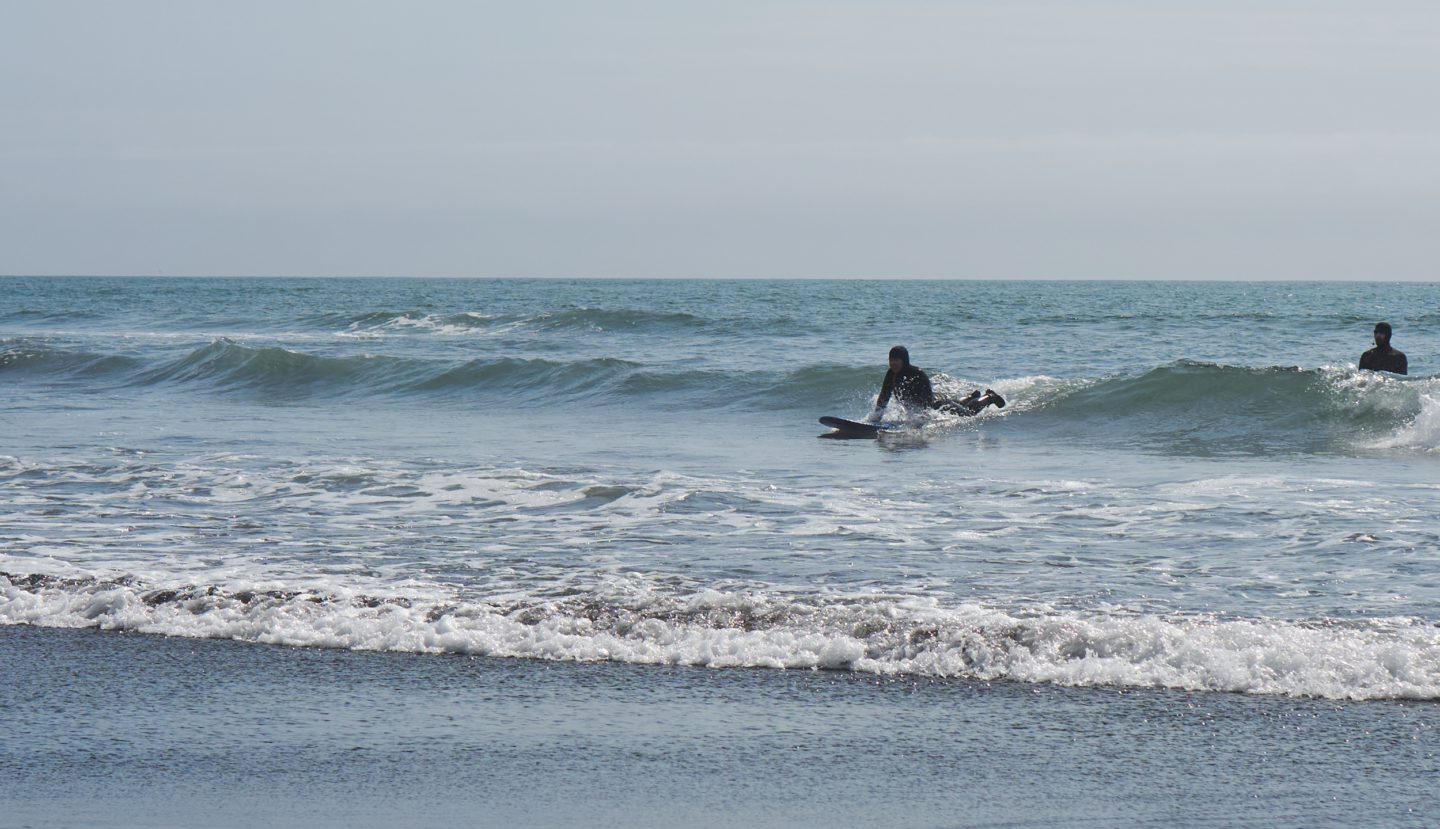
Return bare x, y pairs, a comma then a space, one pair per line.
390, 552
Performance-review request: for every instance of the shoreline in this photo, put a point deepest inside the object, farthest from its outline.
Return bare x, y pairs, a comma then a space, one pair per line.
121, 730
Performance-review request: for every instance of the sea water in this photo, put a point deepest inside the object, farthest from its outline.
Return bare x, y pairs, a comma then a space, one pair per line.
1188, 575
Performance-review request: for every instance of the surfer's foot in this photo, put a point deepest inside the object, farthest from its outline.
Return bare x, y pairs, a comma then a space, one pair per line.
995, 398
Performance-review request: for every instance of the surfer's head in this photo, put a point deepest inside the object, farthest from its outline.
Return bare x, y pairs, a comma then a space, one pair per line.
899, 358
1382, 334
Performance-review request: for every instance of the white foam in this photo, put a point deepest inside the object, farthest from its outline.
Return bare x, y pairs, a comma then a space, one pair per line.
635, 622
466, 324
1423, 432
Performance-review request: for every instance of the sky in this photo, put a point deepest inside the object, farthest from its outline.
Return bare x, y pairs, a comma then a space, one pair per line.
1089, 139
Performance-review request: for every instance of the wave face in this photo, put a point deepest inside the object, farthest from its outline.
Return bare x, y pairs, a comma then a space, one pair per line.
273, 371
36, 359
1389, 659
1207, 409
1187, 407
276, 373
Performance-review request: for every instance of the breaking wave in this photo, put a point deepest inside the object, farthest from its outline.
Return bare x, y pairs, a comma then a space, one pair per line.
1376, 659
1205, 409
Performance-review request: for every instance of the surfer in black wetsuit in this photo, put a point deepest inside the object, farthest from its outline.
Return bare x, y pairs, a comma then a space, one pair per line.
911, 387
1382, 357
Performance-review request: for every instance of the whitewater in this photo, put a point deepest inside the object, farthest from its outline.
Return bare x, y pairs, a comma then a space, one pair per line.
1193, 494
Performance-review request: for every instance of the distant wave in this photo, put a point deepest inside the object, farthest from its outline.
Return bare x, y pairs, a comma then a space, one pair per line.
589, 320
1377, 659
600, 319
35, 315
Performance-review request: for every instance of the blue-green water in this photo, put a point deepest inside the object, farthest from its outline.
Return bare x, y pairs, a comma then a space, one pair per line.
1192, 487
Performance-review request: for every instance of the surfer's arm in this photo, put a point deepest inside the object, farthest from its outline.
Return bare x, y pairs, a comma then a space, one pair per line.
882, 400
886, 389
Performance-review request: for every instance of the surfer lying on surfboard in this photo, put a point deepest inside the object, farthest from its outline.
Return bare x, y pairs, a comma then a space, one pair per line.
911, 387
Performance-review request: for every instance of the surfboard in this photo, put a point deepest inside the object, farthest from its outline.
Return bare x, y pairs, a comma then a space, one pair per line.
850, 428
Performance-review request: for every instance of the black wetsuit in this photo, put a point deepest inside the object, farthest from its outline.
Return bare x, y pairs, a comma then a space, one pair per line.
912, 387
1384, 358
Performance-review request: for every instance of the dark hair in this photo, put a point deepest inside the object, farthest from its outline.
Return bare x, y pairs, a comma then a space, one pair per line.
902, 352
1382, 326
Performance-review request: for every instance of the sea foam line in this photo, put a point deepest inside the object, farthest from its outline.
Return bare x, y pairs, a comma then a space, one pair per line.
1378, 659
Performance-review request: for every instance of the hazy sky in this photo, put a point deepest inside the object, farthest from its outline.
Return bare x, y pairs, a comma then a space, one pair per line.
1106, 139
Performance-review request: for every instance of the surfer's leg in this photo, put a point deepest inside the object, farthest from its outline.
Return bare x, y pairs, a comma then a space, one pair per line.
963, 407
978, 402
973, 403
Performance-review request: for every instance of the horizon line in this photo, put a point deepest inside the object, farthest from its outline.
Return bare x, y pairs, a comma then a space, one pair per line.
612, 278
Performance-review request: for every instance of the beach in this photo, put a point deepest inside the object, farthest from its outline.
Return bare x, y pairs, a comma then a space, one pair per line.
167, 732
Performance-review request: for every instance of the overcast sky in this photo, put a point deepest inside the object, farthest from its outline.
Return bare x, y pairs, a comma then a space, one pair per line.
1215, 139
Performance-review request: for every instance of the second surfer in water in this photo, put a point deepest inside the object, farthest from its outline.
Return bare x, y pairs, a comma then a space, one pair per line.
911, 387
1384, 357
